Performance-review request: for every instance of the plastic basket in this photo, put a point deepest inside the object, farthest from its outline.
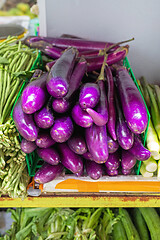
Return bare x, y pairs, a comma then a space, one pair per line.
144, 135
34, 161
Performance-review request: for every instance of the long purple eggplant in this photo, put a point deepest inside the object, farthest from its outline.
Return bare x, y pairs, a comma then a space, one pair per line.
111, 124
24, 123
63, 104
124, 135
44, 140
35, 95
89, 95
100, 115
128, 160
95, 63
48, 172
96, 139
77, 143
62, 129
87, 156
93, 169
113, 161
44, 117
112, 145
69, 159
49, 155
132, 103
81, 117
138, 150
27, 146
113, 172
126, 171
80, 44
60, 72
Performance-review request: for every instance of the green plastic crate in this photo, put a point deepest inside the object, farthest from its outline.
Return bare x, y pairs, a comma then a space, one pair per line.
144, 135
34, 162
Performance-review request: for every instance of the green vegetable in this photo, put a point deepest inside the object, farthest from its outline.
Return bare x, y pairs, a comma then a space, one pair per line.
144, 172
150, 165
152, 142
152, 220
155, 113
140, 224
157, 92
119, 231
128, 225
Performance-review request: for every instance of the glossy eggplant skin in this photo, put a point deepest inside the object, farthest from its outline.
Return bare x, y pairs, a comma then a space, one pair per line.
133, 105
69, 159
126, 171
111, 124
24, 123
93, 169
62, 129
35, 95
63, 104
88, 156
48, 172
44, 140
81, 117
125, 136
89, 95
113, 161
100, 115
49, 155
77, 143
59, 74
128, 160
27, 146
112, 145
138, 150
96, 139
44, 118
113, 172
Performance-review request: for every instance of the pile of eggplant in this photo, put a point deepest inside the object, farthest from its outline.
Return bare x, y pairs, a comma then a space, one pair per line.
85, 114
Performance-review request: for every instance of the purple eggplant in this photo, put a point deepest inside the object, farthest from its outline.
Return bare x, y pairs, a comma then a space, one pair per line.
44, 117
60, 105
95, 63
113, 161
89, 95
132, 103
63, 104
53, 52
44, 140
128, 160
34, 95
28, 146
124, 135
111, 124
113, 172
60, 72
80, 174
81, 117
100, 116
96, 139
138, 150
49, 155
77, 143
112, 145
69, 159
62, 129
126, 171
49, 65
48, 172
65, 42
93, 169
24, 123
88, 156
